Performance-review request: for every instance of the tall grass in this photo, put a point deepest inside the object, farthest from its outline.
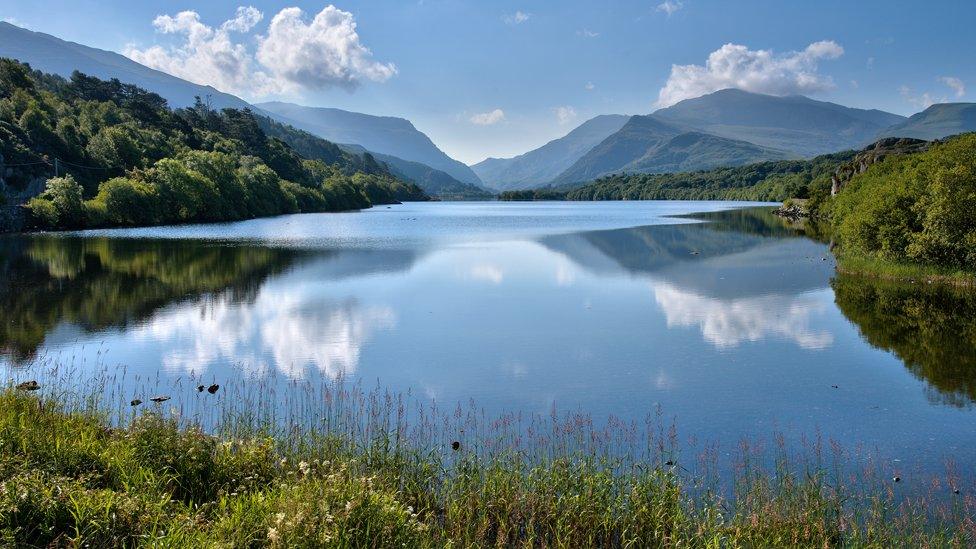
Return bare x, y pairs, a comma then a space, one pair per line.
337, 464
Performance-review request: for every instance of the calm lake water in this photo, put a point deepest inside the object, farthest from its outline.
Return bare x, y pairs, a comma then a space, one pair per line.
735, 327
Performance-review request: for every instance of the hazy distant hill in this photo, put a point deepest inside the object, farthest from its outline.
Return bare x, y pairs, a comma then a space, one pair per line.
794, 124
380, 134
542, 165
938, 121
51, 54
434, 182
646, 144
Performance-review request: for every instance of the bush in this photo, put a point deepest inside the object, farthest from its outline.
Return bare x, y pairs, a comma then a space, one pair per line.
127, 202
43, 213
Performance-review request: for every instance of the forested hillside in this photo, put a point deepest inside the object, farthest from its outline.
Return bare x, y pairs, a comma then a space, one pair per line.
770, 181
111, 154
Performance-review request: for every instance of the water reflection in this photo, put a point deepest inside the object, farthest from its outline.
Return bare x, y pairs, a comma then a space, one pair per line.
98, 283
746, 276
525, 320
932, 330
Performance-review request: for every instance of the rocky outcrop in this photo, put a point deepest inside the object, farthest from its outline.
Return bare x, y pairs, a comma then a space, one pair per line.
876, 152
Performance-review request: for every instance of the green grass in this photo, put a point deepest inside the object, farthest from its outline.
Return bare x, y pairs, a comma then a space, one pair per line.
78, 470
852, 264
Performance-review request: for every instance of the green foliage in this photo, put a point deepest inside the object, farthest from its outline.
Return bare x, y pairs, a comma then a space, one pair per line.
764, 181
138, 162
918, 208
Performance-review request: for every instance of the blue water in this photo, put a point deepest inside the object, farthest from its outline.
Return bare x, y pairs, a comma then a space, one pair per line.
729, 327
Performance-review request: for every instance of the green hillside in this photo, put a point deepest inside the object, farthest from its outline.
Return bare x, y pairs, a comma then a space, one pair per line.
112, 154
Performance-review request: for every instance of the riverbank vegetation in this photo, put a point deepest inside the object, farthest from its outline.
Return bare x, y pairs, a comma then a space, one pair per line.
111, 154
224, 467
911, 209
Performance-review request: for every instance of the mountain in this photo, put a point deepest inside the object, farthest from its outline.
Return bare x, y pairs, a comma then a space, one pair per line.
647, 144
540, 166
937, 121
378, 134
52, 55
433, 182
795, 124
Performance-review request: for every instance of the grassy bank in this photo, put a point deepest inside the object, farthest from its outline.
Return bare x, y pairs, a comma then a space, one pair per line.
906, 272
74, 473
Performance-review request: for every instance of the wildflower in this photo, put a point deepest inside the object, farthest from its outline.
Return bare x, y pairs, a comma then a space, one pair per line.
273, 535
303, 467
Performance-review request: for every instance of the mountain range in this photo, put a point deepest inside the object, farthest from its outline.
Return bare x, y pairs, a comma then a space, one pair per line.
725, 128
380, 134
549, 160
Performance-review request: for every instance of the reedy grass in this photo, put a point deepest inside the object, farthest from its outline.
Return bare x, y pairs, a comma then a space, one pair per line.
339, 466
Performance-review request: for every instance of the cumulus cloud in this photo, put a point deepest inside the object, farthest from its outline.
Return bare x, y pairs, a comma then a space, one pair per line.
207, 55
565, 114
517, 18
488, 118
761, 71
956, 84
323, 53
670, 6
292, 56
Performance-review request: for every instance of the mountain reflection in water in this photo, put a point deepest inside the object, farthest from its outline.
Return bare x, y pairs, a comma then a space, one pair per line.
487, 308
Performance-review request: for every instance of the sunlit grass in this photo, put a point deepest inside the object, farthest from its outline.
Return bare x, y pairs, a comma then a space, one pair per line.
907, 272
336, 465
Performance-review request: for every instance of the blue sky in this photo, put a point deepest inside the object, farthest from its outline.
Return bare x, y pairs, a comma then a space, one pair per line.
499, 78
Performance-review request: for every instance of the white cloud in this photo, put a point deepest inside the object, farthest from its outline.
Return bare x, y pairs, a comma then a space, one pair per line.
292, 56
488, 118
590, 86
323, 53
16, 22
956, 84
565, 114
761, 71
670, 6
923, 101
244, 20
517, 18
587, 33
207, 55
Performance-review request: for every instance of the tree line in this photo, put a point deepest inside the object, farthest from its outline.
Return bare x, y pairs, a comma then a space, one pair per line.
124, 158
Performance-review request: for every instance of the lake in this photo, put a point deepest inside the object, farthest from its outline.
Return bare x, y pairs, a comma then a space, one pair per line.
728, 322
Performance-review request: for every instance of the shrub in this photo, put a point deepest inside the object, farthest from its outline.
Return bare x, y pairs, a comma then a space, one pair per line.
127, 202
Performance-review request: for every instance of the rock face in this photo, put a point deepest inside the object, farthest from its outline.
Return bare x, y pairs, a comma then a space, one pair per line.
876, 152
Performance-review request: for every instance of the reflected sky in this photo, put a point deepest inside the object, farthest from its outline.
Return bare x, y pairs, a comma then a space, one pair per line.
731, 326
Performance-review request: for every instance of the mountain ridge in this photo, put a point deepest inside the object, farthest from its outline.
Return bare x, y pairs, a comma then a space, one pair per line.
545, 163
388, 135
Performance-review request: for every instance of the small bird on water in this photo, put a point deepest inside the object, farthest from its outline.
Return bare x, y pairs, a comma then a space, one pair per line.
158, 399
135, 402
213, 388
